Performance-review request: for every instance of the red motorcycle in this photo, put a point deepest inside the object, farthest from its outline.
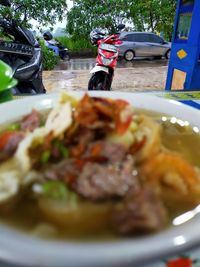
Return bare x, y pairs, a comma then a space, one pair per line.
106, 61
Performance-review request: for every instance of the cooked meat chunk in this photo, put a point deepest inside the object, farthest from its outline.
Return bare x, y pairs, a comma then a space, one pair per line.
103, 181
13, 142
85, 136
103, 171
66, 170
113, 152
11, 146
31, 121
140, 213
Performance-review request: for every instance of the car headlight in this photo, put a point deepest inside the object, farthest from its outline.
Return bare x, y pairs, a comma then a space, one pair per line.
106, 61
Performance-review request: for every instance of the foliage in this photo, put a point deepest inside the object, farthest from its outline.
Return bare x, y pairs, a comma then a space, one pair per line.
75, 45
80, 47
43, 11
153, 15
49, 58
88, 14
146, 15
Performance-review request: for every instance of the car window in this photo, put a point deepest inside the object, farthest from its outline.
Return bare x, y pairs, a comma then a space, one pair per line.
124, 38
155, 39
130, 37
140, 38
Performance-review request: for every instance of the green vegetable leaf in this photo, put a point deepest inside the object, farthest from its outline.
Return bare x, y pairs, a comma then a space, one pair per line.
62, 149
56, 190
45, 157
14, 127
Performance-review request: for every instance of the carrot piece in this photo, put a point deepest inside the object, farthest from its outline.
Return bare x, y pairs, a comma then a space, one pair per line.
5, 137
122, 127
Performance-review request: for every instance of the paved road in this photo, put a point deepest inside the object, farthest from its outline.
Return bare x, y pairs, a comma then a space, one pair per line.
139, 75
88, 63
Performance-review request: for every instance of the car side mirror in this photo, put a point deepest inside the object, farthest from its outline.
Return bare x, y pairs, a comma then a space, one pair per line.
5, 3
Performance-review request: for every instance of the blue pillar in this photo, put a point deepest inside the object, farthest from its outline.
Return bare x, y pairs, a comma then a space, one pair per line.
184, 63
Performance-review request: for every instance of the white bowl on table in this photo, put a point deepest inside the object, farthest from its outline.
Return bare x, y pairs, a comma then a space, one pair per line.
23, 249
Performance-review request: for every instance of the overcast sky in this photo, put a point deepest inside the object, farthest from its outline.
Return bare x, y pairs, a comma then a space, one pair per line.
70, 3
63, 24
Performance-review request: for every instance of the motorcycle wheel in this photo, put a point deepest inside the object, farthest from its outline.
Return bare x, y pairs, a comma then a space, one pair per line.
64, 55
67, 57
99, 82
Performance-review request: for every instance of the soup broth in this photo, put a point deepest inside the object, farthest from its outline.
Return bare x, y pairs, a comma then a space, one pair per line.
27, 216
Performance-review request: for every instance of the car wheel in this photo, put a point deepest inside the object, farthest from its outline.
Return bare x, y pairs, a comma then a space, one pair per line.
167, 55
158, 57
129, 55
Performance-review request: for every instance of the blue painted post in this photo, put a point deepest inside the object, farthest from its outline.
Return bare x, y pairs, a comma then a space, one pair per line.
184, 63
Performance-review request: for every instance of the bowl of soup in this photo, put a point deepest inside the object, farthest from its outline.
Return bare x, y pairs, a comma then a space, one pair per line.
97, 179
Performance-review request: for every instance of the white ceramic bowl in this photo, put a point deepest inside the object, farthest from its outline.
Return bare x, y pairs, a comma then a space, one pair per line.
26, 250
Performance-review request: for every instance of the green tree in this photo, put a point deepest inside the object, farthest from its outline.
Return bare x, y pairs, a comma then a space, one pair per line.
150, 15
153, 15
44, 12
166, 21
88, 14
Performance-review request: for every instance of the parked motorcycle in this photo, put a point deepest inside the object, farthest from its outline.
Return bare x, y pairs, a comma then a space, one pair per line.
23, 54
58, 48
106, 61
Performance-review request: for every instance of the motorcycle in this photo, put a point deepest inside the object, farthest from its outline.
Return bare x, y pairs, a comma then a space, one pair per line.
106, 61
54, 45
23, 54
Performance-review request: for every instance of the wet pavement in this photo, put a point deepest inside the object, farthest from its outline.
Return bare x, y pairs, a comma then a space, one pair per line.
76, 64
138, 75
88, 63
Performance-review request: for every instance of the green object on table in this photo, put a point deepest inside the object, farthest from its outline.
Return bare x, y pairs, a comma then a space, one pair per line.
7, 82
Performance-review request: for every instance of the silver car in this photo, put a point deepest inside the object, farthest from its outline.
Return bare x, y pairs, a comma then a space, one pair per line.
143, 44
